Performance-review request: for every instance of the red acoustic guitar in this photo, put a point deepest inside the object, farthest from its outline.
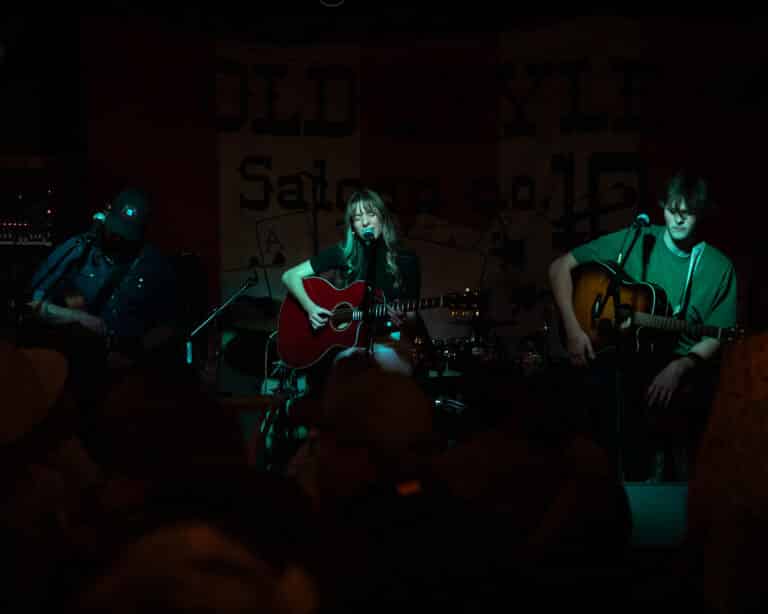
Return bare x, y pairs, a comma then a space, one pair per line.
299, 346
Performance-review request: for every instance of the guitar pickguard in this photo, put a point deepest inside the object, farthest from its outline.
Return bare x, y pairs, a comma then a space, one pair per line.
610, 329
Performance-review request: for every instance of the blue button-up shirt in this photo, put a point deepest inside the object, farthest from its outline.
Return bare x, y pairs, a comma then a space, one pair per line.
145, 297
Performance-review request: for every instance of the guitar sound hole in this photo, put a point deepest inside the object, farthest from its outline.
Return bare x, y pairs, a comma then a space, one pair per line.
340, 325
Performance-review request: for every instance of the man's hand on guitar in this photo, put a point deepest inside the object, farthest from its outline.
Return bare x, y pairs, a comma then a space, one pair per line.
65, 315
318, 316
580, 348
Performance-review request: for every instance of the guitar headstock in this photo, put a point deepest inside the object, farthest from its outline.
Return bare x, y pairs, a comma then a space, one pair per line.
465, 305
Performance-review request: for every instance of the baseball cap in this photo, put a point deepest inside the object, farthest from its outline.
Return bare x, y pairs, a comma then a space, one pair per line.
128, 214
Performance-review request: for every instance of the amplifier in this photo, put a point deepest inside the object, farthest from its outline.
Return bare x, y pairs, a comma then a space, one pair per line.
659, 512
25, 233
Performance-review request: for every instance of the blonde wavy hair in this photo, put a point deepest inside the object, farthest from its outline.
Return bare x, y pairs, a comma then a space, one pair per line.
352, 247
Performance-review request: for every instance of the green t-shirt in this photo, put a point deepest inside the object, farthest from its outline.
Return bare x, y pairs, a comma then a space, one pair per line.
713, 296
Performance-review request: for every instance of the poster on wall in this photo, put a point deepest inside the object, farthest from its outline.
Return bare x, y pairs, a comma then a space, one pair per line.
570, 161
498, 154
288, 154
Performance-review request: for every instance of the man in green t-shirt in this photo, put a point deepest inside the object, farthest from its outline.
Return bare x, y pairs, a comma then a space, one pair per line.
699, 282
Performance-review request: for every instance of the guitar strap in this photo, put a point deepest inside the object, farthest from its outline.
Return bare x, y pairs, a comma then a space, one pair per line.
685, 295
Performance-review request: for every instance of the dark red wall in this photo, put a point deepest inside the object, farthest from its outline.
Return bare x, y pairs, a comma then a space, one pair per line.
429, 119
148, 98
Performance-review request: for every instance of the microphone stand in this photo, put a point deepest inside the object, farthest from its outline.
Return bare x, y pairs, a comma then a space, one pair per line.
612, 292
261, 259
369, 318
215, 314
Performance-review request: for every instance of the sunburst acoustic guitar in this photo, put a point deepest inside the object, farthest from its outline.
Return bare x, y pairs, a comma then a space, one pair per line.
642, 319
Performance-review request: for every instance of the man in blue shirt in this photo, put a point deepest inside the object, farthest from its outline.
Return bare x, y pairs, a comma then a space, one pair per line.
109, 291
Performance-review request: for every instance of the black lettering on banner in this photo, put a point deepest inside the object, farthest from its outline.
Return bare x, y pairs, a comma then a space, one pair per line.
520, 124
272, 240
320, 185
247, 174
321, 125
409, 195
227, 70
344, 189
602, 163
577, 120
632, 72
269, 123
290, 193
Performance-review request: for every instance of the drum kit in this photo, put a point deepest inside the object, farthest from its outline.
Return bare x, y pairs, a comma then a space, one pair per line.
481, 351
477, 376
444, 356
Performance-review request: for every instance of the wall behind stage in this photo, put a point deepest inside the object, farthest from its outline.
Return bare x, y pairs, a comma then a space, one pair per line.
498, 151
288, 122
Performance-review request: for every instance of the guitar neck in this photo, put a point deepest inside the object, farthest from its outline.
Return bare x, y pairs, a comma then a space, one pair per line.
422, 303
380, 310
674, 325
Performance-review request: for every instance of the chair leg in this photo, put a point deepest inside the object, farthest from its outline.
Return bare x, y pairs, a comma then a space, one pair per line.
657, 467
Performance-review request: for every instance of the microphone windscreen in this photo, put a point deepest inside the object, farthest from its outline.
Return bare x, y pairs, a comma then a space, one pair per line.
643, 219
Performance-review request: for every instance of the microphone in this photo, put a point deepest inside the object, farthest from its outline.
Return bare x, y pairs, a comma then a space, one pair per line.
97, 226
368, 234
642, 220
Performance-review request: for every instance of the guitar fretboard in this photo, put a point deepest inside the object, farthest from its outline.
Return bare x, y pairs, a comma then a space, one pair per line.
423, 303
671, 324
380, 310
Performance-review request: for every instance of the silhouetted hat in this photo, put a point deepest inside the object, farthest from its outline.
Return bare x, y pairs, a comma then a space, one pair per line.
129, 214
366, 403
